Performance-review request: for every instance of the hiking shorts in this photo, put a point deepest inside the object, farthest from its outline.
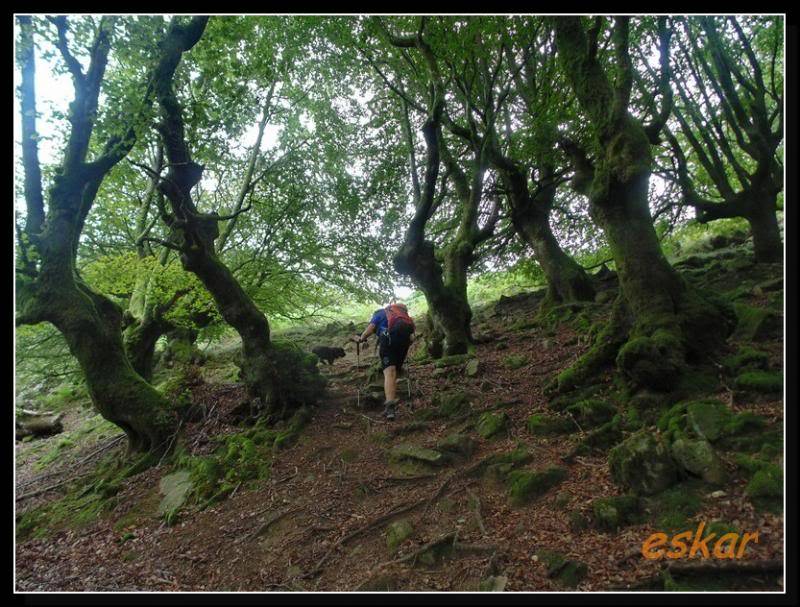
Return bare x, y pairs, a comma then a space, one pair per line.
393, 347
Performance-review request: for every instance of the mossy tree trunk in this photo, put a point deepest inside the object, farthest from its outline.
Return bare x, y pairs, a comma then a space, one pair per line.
442, 275
193, 236
567, 281
669, 320
49, 288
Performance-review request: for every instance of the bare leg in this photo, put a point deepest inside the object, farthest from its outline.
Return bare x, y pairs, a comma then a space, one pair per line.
390, 382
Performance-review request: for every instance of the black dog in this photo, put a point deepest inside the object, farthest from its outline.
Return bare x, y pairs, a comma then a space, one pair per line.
328, 354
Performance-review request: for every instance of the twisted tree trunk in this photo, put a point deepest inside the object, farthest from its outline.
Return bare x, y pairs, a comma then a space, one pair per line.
669, 320
265, 372
49, 288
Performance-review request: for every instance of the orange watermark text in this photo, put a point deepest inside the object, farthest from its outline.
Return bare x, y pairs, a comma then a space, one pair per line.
688, 544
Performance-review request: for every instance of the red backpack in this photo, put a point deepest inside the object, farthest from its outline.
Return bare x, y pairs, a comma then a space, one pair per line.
396, 315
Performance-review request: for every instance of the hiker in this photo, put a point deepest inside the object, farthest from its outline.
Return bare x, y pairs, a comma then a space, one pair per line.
394, 328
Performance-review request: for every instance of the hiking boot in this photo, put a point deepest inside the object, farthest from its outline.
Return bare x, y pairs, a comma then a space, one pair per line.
389, 409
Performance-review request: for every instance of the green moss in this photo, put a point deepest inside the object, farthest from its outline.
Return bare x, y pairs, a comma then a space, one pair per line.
600, 439
577, 521
445, 405
460, 444
545, 425
526, 485
397, 533
611, 513
746, 358
566, 572
642, 463
672, 509
489, 424
85, 500
755, 323
767, 442
721, 528
592, 412
652, 361
694, 382
515, 361
562, 401
760, 381
767, 481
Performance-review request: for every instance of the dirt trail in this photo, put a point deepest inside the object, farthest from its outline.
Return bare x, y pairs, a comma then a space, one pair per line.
320, 521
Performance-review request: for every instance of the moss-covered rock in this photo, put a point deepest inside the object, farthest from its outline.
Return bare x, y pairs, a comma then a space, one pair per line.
646, 406
654, 361
460, 444
764, 382
754, 324
397, 533
746, 358
767, 481
642, 463
445, 405
544, 425
472, 367
175, 488
671, 509
768, 442
698, 457
493, 583
592, 412
515, 361
525, 486
489, 424
567, 572
708, 419
414, 452
611, 513
562, 401
577, 521
599, 439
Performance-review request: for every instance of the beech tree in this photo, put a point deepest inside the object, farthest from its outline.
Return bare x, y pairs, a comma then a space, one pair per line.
49, 287
659, 319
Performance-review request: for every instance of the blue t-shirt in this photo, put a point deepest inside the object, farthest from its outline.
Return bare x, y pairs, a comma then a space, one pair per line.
380, 320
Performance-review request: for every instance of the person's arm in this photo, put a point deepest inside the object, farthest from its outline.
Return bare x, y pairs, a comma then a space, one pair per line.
367, 332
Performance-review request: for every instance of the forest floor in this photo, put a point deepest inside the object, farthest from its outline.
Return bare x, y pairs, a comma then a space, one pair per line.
320, 520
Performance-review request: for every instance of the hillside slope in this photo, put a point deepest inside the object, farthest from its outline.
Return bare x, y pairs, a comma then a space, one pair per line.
484, 481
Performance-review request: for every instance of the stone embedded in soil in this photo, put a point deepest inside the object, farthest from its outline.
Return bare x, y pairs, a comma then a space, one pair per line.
544, 425
457, 443
567, 572
525, 486
493, 583
611, 513
643, 464
472, 367
755, 324
175, 488
490, 423
699, 458
414, 452
708, 419
592, 411
397, 533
